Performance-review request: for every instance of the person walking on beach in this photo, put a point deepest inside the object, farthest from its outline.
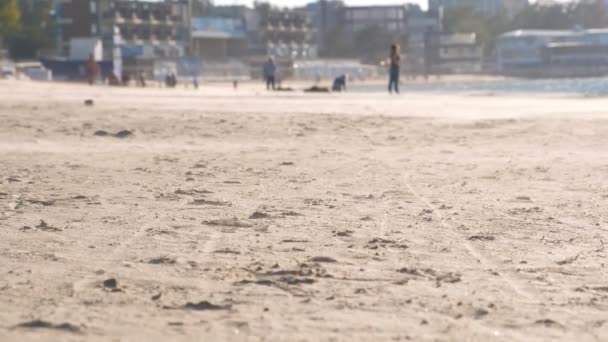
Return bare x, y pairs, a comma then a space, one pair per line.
92, 69
270, 70
395, 60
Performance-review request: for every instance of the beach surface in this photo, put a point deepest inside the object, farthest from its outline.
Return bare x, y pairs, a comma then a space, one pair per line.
223, 215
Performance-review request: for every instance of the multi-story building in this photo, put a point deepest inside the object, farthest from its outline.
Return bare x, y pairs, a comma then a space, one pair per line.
423, 29
459, 53
524, 48
283, 33
420, 28
391, 19
485, 7
218, 38
75, 19
146, 29
326, 17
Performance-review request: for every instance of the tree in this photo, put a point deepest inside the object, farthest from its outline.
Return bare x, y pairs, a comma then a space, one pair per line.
487, 29
338, 44
372, 44
37, 30
10, 17
201, 8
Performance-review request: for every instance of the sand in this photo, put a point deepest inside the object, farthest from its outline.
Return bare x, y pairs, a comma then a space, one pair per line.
218, 215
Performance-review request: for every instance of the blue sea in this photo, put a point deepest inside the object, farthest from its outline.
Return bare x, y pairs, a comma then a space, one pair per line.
571, 86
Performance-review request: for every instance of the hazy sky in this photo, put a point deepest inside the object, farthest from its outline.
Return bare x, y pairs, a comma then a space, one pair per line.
289, 3
303, 2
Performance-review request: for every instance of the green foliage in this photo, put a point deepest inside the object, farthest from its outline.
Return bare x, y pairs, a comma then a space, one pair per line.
562, 17
337, 45
10, 17
37, 30
201, 8
371, 44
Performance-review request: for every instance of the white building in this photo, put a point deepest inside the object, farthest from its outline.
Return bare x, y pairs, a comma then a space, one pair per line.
460, 53
485, 7
553, 53
525, 47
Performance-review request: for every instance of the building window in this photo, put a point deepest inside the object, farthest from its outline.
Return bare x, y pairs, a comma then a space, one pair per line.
93, 29
93, 7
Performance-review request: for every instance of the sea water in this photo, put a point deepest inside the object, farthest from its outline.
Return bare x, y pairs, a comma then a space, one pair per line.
573, 86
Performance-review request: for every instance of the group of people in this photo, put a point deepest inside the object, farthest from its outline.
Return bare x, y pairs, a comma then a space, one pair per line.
269, 72
93, 73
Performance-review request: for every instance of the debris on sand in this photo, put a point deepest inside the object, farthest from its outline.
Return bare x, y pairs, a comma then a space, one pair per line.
345, 233
288, 280
294, 241
323, 259
231, 222
120, 134
258, 215
204, 306
547, 322
522, 211
192, 192
40, 324
569, 260
588, 288
111, 284
46, 227
481, 238
430, 274
297, 281
480, 313
425, 212
376, 243
89, 102
524, 198
317, 89
44, 203
210, 202
162, 260
291, 213
287, 163
226, 251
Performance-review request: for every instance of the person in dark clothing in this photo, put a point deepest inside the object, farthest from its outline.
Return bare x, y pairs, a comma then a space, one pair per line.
170, 80
141, 80
92, 69
339, 83
270, 71
395, 60
125, 78
113, 80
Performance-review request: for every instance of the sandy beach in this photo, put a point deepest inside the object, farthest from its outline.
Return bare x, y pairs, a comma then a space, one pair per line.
222, 215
